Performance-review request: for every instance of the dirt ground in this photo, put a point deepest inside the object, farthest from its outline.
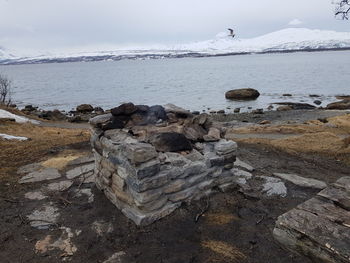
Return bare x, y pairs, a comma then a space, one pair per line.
235, 226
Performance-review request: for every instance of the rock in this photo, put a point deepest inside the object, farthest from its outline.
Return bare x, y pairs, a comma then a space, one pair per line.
82, 160
75, 119
195, 112
224, 147
87, 192
124, 109
176, 159
140, 152
220, 160
60, 186
213, 135
339, 105
244, 165
297, 106
319, 227
194, 132
302, 181
314, 96
115, 123
178, 111
242, 94
80, 170
270, 107
287, 95
101, 227
44, 174
203, 120
182, 195
194, 156
85, 108
258, 111
274, 186
221, 112
142, 108
264, 122
236, 110
29, 168
44, 217
52, 115
171, 142
35, 195
284, 108
116, 258
63, 244
156, 113
98, 110
317, 102
146, 219
29, 108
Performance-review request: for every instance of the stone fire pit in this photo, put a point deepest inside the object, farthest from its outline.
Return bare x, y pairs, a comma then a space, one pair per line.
151, 159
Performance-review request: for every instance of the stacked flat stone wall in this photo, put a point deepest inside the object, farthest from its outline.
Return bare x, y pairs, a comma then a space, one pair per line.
147, 185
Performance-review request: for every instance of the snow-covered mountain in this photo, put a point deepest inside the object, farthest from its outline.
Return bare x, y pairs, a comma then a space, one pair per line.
286, 40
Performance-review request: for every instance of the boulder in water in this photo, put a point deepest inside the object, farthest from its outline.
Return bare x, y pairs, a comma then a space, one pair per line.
242, 94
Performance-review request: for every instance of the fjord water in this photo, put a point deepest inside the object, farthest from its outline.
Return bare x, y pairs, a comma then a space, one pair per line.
193, 83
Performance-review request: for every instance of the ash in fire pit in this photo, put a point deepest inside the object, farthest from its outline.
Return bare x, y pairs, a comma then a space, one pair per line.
151, 159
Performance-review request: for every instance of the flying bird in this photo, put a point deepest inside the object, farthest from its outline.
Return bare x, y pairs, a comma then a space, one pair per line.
232, 34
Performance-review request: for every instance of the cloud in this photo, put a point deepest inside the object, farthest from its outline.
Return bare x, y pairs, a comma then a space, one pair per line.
295, 22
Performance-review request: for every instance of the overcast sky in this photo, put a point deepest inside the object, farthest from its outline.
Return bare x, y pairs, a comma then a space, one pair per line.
52, 24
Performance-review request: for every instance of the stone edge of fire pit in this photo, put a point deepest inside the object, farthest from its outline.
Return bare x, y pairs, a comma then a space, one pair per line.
146, 184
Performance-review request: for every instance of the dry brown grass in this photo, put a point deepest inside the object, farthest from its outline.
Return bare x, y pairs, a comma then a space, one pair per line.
224, 252
219, 218
327, 139
61, 161
335, 125
14, 154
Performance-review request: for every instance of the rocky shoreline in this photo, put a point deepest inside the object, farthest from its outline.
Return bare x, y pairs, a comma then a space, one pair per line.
84, 112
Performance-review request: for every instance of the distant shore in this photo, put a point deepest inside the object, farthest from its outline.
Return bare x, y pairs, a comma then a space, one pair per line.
178, 54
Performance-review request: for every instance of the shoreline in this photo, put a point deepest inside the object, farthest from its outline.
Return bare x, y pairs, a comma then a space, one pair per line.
83, 112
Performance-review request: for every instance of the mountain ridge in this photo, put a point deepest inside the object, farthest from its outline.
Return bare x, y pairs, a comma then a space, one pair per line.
285, 40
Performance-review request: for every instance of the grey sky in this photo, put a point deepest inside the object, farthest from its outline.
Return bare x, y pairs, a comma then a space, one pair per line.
50, 24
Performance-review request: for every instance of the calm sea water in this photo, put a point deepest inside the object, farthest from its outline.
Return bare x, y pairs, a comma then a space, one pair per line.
193, 83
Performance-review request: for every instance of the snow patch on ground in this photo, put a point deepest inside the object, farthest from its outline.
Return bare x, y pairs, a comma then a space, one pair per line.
11, 137
17, 118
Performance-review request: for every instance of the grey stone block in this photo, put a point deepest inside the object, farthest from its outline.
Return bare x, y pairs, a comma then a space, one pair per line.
141, 218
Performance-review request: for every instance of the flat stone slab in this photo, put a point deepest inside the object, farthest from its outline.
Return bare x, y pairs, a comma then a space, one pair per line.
44, 217
29, 168
59, 186
116, 258
85, 192
319, 227
82, 160
35, 195
274, 187
302, 181
44, 174
80, 170
244, 165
